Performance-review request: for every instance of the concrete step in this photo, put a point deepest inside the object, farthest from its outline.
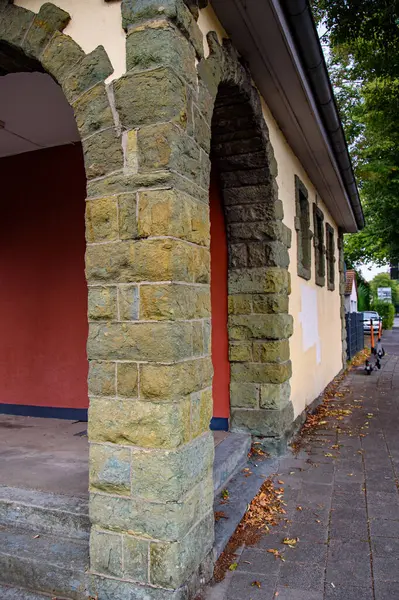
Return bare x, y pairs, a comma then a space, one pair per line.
230, 456
44, 513
13, 593
43, 564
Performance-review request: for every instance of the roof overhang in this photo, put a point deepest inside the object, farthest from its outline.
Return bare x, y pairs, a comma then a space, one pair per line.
261, 33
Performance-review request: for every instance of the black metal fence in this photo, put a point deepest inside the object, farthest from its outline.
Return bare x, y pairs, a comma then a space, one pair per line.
354, 334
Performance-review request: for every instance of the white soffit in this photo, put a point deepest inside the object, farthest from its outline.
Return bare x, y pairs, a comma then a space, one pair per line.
34, 107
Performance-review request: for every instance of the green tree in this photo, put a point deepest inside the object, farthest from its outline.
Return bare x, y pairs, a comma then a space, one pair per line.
363, 41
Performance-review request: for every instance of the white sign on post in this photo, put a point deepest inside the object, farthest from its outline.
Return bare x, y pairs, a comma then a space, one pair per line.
385, 294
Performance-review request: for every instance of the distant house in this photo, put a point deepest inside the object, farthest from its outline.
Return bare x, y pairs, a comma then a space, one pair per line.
350, 292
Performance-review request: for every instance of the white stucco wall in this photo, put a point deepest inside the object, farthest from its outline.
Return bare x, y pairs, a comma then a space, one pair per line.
93, 23
315, 346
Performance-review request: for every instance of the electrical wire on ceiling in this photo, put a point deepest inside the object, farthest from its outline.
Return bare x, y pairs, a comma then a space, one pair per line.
18, 135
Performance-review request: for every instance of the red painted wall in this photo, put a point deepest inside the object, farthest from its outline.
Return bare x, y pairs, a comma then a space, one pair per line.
43, 292
219, 303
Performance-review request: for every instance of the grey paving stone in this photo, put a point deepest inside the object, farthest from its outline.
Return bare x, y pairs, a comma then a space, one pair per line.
386, 590
241, 587
316, 532
258, 561
346, 550
311, 553
357, 570
384, 546
302, 576
342, 591
286, 593
343, 529
384, 506
386, 569
384, 528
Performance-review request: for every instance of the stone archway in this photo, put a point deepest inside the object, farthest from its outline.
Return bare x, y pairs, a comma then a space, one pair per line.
258, 241
146, 141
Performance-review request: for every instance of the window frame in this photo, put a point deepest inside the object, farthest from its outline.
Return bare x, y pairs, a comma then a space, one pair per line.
319, 247
330, 256
304, 233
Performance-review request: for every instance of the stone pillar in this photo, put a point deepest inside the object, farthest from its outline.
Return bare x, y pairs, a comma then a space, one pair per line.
341, 269
151, 451
259, 281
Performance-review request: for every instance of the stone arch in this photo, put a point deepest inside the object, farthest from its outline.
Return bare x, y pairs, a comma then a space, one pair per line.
150, 370
258, 242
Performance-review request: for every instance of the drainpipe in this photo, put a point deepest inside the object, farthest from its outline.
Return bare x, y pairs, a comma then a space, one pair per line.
304, 32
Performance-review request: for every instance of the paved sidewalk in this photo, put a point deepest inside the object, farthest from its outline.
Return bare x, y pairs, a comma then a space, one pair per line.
345, 480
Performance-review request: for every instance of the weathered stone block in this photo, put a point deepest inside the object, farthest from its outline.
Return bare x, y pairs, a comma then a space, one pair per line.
127, 379
101, 220
244, 395
61, 55
172, 563
164, 342
167, 476
137, 423
135, 558
160, 89
127, 205
92, 111
202, 130
14, 23
259, 195
147, 260
240, 351
260, 280
128, 300
273, 423
138, 11
160, 44
278, 351
171, 212
275, 396
122, 182
240, 304
102, 378
167, 146
238, 256
116, 589
130, 151
270, 303
170, 521
201, 412
174, 381
172, 301
110, 469
259, 231
102, 303
94, 68
49, 18
261, 373
207, 335
106, 552
103, 153
260, 326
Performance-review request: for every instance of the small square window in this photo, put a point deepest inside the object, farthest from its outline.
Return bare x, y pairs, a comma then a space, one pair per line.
302, 224
319, 248
330, 252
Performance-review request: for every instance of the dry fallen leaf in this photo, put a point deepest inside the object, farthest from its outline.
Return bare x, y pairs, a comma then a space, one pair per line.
280, 482
290, 542
299, 508
256, 583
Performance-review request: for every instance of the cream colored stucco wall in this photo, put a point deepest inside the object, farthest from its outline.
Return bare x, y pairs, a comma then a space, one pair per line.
315, 346
93, 23
316, 350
